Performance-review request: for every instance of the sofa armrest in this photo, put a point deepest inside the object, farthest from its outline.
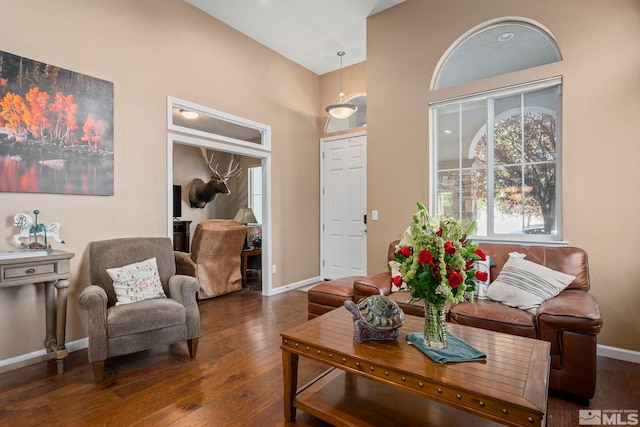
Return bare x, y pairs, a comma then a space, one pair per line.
571, 322
572, 302
378, 284
571, 309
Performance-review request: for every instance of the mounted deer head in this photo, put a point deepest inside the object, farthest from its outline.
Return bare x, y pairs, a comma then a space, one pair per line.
201, 193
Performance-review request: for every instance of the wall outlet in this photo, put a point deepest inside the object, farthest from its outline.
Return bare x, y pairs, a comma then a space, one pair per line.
374, 215
273, 269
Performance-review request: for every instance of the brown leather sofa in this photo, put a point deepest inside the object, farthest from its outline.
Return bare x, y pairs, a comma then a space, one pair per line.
570, 322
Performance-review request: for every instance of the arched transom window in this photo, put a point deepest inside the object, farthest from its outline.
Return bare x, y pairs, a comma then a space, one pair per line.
494, 50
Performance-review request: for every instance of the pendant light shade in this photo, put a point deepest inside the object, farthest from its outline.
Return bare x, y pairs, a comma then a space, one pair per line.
188, 114
341, 109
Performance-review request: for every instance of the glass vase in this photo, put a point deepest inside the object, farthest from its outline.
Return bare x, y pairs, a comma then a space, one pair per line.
435, 326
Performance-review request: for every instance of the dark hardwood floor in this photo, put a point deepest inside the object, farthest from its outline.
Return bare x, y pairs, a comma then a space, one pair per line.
235, 380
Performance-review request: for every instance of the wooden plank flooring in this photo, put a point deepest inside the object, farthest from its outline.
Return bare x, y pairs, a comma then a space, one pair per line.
235, 380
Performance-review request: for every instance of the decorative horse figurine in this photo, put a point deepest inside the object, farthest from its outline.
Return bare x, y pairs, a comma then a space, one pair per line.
30, 229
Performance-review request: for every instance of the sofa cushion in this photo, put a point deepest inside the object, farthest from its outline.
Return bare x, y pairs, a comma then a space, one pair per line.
136, 282
494, 316
526, 285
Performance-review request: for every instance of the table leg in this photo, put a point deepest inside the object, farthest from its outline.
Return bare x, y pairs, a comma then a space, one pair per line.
245, 259
290, 379
50, 316
62, 286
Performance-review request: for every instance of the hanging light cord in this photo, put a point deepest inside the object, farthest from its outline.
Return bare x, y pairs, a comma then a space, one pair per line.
341, 54
341, 109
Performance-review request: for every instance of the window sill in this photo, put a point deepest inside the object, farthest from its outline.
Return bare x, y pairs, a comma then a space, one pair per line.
519, 241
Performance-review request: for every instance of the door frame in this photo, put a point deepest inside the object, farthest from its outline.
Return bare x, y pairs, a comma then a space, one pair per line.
265, 158
323, 142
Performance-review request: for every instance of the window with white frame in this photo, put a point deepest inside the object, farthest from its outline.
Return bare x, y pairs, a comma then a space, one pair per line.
496, 160
255, 191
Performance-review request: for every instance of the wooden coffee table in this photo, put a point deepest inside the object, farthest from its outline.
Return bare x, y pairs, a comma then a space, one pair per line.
391, 382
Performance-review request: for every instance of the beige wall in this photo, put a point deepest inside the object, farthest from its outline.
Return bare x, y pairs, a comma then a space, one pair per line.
151, 49
354, 81
601, 138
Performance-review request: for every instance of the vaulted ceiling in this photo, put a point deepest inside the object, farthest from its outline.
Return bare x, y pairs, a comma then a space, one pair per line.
308, 32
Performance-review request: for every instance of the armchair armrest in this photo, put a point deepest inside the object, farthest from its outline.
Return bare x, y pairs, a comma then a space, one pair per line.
183, 289
378, 284
94, 299
184, 263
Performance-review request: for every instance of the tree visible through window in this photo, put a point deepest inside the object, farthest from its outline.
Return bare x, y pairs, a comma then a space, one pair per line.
528, 152
497, 162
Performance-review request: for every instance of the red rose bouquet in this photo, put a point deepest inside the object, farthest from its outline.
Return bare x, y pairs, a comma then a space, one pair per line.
436, 260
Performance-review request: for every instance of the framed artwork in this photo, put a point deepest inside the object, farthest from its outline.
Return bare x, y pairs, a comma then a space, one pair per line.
56, 129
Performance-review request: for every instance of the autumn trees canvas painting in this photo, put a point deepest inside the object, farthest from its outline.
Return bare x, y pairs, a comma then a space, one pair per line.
56, 129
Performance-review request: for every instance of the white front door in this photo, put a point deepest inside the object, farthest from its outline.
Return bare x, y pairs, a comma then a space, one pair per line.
344, 188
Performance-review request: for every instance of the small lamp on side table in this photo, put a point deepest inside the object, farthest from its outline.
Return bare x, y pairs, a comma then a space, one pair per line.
245, 216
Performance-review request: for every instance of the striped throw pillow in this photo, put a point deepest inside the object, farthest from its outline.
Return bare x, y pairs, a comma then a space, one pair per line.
526, 285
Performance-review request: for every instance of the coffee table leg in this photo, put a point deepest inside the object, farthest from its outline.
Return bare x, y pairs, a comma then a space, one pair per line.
290, 379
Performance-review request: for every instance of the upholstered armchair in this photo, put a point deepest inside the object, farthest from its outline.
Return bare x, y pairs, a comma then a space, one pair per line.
116, 328
215, 257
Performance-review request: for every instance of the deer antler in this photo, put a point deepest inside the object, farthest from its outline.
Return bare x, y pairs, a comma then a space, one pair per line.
208, 160
233, 171
201, 193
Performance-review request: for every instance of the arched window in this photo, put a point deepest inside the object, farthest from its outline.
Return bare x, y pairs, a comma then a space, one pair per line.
356, 120
496, 154
494, 50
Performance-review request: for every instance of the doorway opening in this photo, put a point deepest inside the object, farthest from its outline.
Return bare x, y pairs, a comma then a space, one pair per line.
254, 151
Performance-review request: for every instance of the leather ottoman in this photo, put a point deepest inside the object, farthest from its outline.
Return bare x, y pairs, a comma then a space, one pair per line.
326, 296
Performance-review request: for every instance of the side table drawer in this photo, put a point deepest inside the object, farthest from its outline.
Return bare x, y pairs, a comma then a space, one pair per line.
29, 271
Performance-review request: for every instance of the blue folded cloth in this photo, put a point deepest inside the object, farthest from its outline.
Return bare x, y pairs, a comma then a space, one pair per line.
456, 351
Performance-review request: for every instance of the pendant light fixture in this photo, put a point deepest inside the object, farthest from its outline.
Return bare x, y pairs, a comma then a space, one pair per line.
341, 109
188, 114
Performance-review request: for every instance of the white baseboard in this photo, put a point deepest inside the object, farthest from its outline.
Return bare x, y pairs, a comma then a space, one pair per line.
78, 344
295, 285
619, 353
36, 356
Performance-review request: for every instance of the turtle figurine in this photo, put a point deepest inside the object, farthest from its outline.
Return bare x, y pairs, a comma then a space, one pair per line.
375, 318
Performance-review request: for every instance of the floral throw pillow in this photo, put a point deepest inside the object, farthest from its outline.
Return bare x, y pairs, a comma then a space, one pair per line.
137, 282
483, 277
526, 285
397, 284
